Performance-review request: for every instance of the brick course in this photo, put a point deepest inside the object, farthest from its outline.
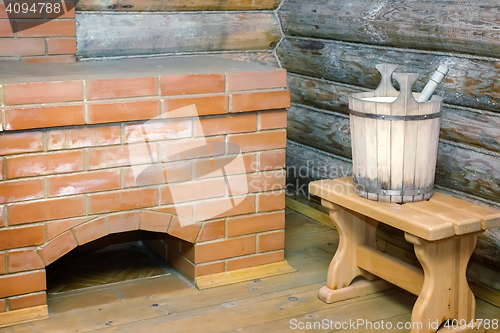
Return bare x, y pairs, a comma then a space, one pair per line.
192, 84
24, 260
50, 116
22, 283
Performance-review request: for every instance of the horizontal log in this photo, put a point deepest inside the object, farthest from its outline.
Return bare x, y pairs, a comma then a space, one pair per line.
124, 34
487, 249
320, 94
468, 171
483, 275
175, 5
261, 58
306, 164
469, 83
266, 58
457, 26
457, 168
480, 130
325, 131
472, 128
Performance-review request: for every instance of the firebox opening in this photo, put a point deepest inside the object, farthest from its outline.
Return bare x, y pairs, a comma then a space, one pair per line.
112, 268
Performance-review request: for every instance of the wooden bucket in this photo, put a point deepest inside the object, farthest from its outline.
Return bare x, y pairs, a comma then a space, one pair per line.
394, 140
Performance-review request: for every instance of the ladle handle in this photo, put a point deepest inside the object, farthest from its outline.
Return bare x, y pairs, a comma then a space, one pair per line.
434, 81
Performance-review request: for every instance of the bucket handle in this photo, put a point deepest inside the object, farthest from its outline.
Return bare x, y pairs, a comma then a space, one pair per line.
405, 100
385, 87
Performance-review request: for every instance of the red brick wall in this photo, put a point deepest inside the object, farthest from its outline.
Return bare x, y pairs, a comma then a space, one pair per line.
67, 178
53, 41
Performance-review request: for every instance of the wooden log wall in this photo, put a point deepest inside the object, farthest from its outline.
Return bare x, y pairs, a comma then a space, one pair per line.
242, 29
330, 50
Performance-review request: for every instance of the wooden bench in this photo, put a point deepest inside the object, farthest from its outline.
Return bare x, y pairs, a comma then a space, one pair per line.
444, 233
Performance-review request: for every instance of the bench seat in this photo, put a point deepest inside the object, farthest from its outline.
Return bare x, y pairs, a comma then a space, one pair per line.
440, 217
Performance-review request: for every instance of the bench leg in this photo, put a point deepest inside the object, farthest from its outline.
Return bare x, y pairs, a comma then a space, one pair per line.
445, 293
354, 230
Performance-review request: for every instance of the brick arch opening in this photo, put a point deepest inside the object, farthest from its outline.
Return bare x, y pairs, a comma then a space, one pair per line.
146, 220
118, 248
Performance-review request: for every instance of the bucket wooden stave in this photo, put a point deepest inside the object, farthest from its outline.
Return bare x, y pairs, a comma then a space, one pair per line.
394, 140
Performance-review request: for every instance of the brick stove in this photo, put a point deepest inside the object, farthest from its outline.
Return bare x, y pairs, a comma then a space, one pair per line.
192, 148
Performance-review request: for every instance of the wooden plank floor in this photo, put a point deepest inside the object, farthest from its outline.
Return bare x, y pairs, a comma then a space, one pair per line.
263, 305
